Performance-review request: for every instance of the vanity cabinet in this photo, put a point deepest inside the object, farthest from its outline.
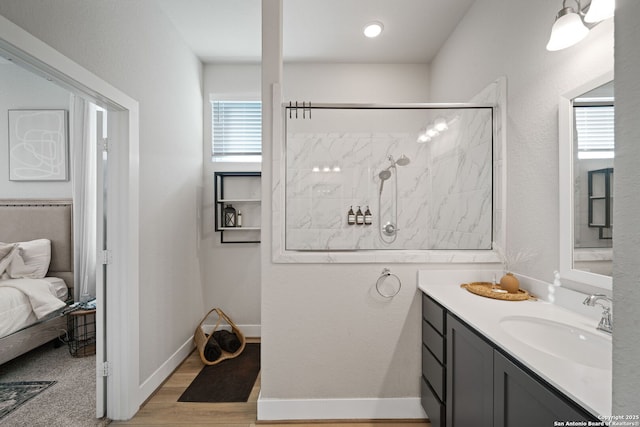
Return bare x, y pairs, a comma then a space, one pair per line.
520, 400
469, 377
433, 384
468, 381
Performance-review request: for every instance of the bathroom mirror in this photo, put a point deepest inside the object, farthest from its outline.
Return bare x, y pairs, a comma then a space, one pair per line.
586, 152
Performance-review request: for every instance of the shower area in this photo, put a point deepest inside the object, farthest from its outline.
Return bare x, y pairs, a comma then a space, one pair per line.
375, 177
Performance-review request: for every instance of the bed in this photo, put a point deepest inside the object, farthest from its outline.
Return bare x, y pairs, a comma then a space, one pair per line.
33, 221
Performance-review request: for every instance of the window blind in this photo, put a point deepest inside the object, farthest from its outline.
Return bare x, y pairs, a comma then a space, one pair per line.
595, 128
236, 128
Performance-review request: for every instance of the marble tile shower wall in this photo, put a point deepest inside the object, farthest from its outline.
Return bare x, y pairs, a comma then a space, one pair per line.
330, 172
444, 193
461, 166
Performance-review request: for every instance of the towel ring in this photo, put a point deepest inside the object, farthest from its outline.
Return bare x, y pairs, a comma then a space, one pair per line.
386, 273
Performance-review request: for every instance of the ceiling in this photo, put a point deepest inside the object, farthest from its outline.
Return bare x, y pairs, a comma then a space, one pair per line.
318, 30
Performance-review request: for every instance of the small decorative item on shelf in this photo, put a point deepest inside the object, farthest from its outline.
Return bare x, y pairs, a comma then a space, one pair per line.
229, 216
359, 216
368, 219
351, 216
510, 283
239, 219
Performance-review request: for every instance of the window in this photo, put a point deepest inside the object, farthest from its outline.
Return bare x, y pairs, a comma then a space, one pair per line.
595, 131
236, 129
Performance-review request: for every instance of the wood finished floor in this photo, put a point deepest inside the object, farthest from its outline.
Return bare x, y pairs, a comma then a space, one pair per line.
163, 408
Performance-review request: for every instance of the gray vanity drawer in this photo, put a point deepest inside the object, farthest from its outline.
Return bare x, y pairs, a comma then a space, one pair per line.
433, 340
432, 406
433, 313
434, 372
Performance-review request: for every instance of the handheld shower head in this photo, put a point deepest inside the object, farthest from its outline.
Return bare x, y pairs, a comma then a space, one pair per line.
384, 175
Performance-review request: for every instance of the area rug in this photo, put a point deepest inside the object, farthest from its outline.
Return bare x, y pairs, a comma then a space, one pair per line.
13, 395
228, 381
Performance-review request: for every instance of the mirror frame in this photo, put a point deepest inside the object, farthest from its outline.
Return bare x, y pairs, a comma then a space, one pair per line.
566, 191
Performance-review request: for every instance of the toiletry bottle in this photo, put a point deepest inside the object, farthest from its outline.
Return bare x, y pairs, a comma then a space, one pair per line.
368, 219
239, 219
359, 216
351, 217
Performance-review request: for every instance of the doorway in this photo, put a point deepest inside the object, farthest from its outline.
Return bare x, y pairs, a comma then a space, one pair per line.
117, 327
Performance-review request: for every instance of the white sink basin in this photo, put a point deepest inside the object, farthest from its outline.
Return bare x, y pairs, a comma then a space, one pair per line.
561, 340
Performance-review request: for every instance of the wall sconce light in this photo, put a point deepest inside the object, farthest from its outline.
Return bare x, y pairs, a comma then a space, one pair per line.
569, 27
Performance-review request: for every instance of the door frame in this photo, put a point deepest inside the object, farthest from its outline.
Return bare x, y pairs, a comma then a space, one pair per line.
123, 395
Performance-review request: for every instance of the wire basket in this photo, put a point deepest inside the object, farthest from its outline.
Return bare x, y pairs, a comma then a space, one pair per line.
81, 325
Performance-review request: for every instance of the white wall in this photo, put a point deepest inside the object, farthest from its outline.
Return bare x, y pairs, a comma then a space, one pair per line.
21, 89
230, 272
324, 325
237, 290
626, 270
355, 83
508, 38
495, 39
134, 47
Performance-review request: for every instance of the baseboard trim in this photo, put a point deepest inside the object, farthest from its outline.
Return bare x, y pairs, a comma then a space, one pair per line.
339, 409
155, 380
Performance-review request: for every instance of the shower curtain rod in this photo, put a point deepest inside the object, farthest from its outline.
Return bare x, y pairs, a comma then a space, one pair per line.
307, 106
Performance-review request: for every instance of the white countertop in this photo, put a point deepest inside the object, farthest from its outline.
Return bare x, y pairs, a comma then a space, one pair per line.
588, 386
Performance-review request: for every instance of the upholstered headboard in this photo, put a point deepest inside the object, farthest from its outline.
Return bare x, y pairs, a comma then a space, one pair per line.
22, 220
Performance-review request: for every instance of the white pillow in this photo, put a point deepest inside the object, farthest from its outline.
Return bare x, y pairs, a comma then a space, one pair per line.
18, 269
7, 252
32, 259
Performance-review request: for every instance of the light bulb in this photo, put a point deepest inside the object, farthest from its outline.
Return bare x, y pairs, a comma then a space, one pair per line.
567, 30
599, 10
373, 29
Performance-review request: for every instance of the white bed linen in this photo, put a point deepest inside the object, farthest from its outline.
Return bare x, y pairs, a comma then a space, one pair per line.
16, 311
58, 287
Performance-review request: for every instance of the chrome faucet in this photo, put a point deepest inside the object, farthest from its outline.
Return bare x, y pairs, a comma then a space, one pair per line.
606, 323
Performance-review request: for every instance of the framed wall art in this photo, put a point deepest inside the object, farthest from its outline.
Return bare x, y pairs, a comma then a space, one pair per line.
38, 145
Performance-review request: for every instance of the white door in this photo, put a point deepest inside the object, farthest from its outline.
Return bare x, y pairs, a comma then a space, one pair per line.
101, 267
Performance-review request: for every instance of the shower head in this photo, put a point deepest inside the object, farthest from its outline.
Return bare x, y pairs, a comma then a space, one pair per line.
385, 174
403, 161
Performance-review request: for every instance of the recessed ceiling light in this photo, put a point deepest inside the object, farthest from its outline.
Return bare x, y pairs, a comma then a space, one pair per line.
373, 29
